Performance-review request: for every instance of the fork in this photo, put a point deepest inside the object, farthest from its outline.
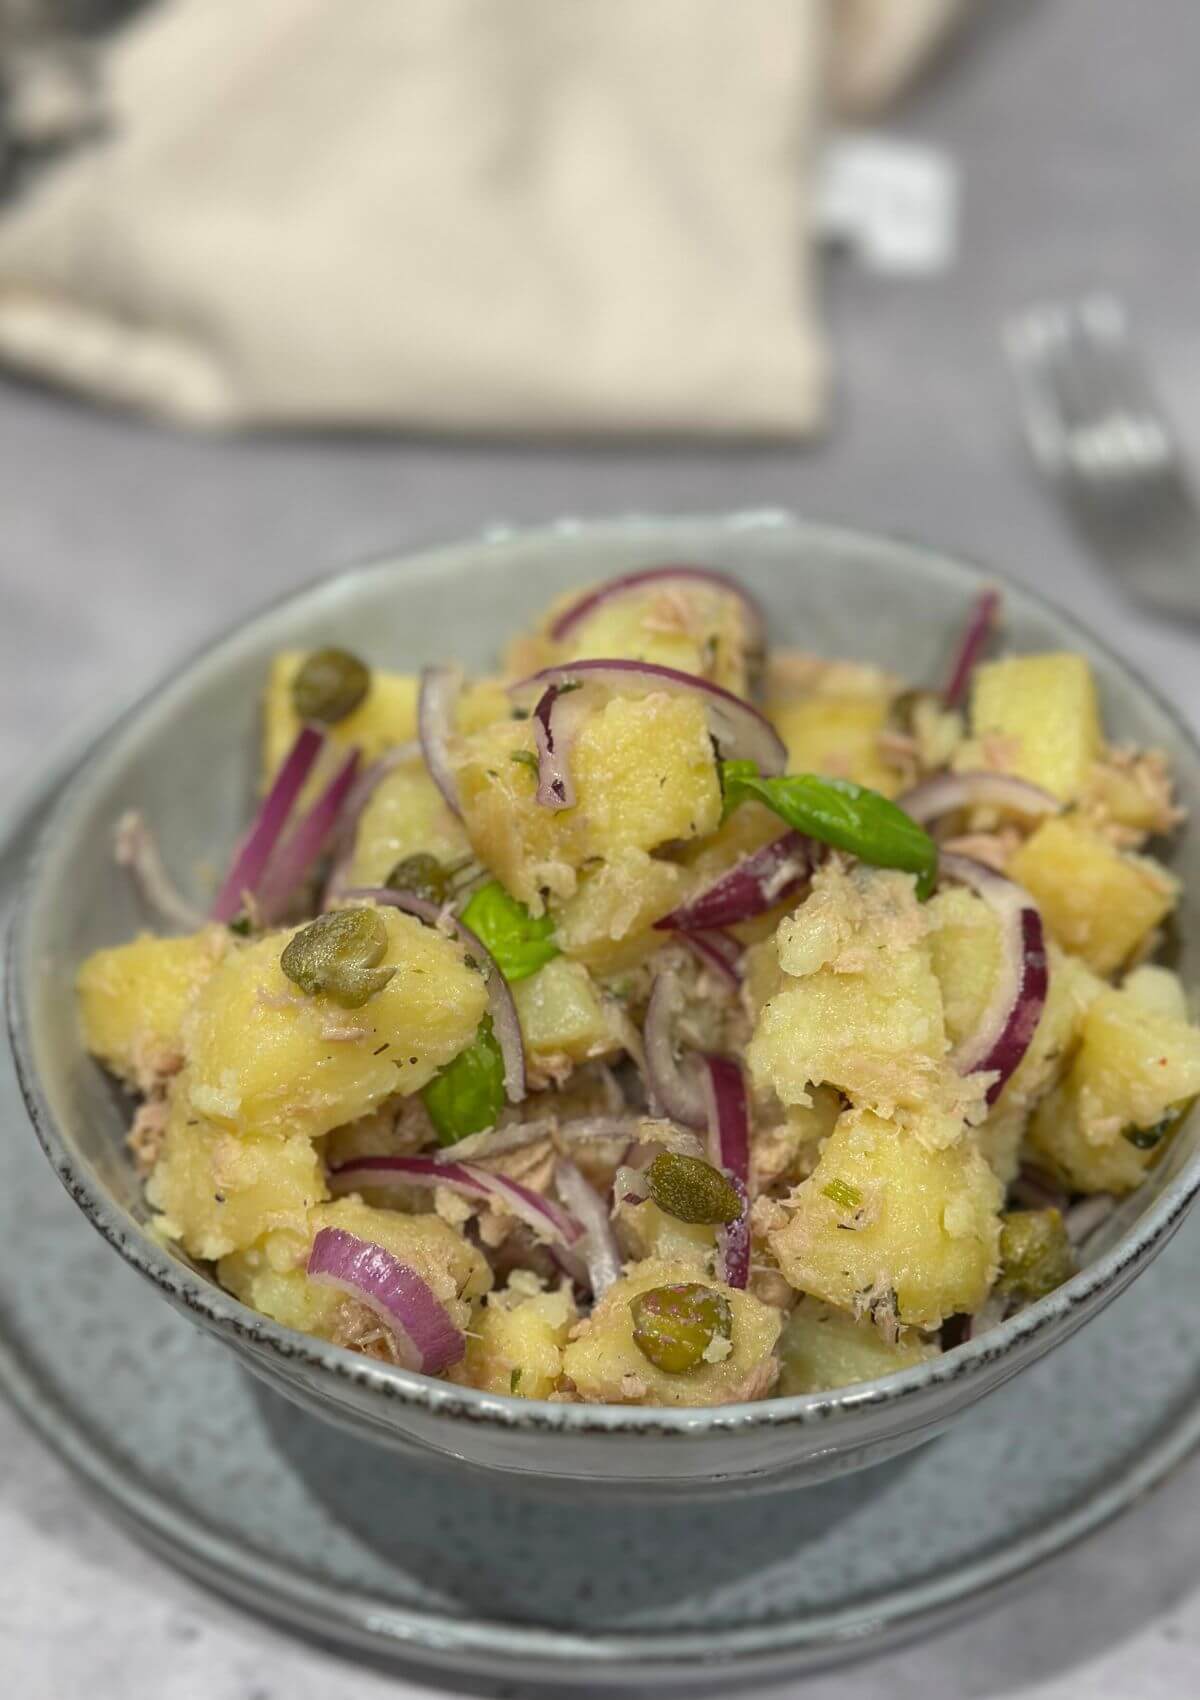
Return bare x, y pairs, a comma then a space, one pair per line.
1099, 435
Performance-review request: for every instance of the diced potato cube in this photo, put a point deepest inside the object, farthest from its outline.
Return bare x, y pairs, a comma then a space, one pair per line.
964, 944
564, 1019
822, 1348
217, 1192
406, 814
865, 1012
516, 1342
644, 775
1158, 991
270, 1275
387, 716
606, 1365
787, 1150
263, 1057
837, 736
889, 1228
608, 923
133, 998
647, 1231
1097, 901
1039, 718
695, 628
1134, 1073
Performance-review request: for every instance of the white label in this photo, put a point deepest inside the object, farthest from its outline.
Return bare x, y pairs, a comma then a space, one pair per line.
893, 203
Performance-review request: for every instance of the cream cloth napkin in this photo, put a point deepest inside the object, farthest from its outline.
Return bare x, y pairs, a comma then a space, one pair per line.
459, 215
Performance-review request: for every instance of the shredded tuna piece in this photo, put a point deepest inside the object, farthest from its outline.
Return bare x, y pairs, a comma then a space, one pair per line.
145, 1137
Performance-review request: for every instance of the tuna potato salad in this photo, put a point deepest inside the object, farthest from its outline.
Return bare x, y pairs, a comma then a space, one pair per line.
659, 1021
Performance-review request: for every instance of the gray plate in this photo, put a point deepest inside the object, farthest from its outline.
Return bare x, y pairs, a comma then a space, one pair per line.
441, 1567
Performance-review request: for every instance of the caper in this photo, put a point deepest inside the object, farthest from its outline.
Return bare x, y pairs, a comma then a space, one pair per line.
674, 1326
692, 1190
1035, 1253
338, 955
423, 875
1146, 1138
330, 685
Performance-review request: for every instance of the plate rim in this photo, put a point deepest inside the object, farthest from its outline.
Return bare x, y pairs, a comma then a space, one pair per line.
363, 1623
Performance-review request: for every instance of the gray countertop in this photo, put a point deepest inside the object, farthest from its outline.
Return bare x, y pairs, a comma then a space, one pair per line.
1077, 129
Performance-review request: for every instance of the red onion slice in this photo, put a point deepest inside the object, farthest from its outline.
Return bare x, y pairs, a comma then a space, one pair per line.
948, 792
437, 700
740, 731
719, 952
256, 848
749, 888
136, 848
629, 584
598, 1247
506, 1024
729, 1150
364, 789
556, 719
426, 1338
295, 857
675, 1092
978, 630
541, 1214
1019, 997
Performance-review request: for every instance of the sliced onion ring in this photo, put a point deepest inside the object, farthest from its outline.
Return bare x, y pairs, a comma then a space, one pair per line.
556, 719
426, 1337
437, 699
729, 1150
675, 1092
506, 1024
136, 848
266, 829
364, 789
719, 952
749, 888
295, 857
948, 792
1019, 996
630, 584
980, 621
739, 729
541, 1214
598, 1246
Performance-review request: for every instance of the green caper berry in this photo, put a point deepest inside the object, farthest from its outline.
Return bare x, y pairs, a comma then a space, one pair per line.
1035, 1253
691, 1190
330, 684
338, 956
423, 875
674, 1326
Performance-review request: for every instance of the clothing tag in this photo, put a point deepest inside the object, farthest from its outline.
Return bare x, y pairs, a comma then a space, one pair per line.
893, 203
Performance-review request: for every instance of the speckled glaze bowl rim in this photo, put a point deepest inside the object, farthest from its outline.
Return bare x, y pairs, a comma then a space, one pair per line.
972, 1361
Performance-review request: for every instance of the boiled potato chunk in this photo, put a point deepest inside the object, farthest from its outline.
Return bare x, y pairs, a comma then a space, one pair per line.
1158, 991
264, 1057
886, 1227
564, 1019
607, 1367
133, 998
270, 1276
608, 923
694, 628
838, 736
1097, 901
386, 717
822, 1348
859, 1007
965, 950
644, 775
516, 1341
406, 814
1040, 719
647, 1231
1134, 1072
219, 1192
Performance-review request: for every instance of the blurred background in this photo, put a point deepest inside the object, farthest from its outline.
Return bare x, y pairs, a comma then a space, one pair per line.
290, 283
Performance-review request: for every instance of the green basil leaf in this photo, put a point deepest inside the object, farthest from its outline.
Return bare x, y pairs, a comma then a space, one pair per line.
468, 1094
838, 812
519, 944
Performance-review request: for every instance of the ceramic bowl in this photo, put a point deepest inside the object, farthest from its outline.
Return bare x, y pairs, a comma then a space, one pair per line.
186, 754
